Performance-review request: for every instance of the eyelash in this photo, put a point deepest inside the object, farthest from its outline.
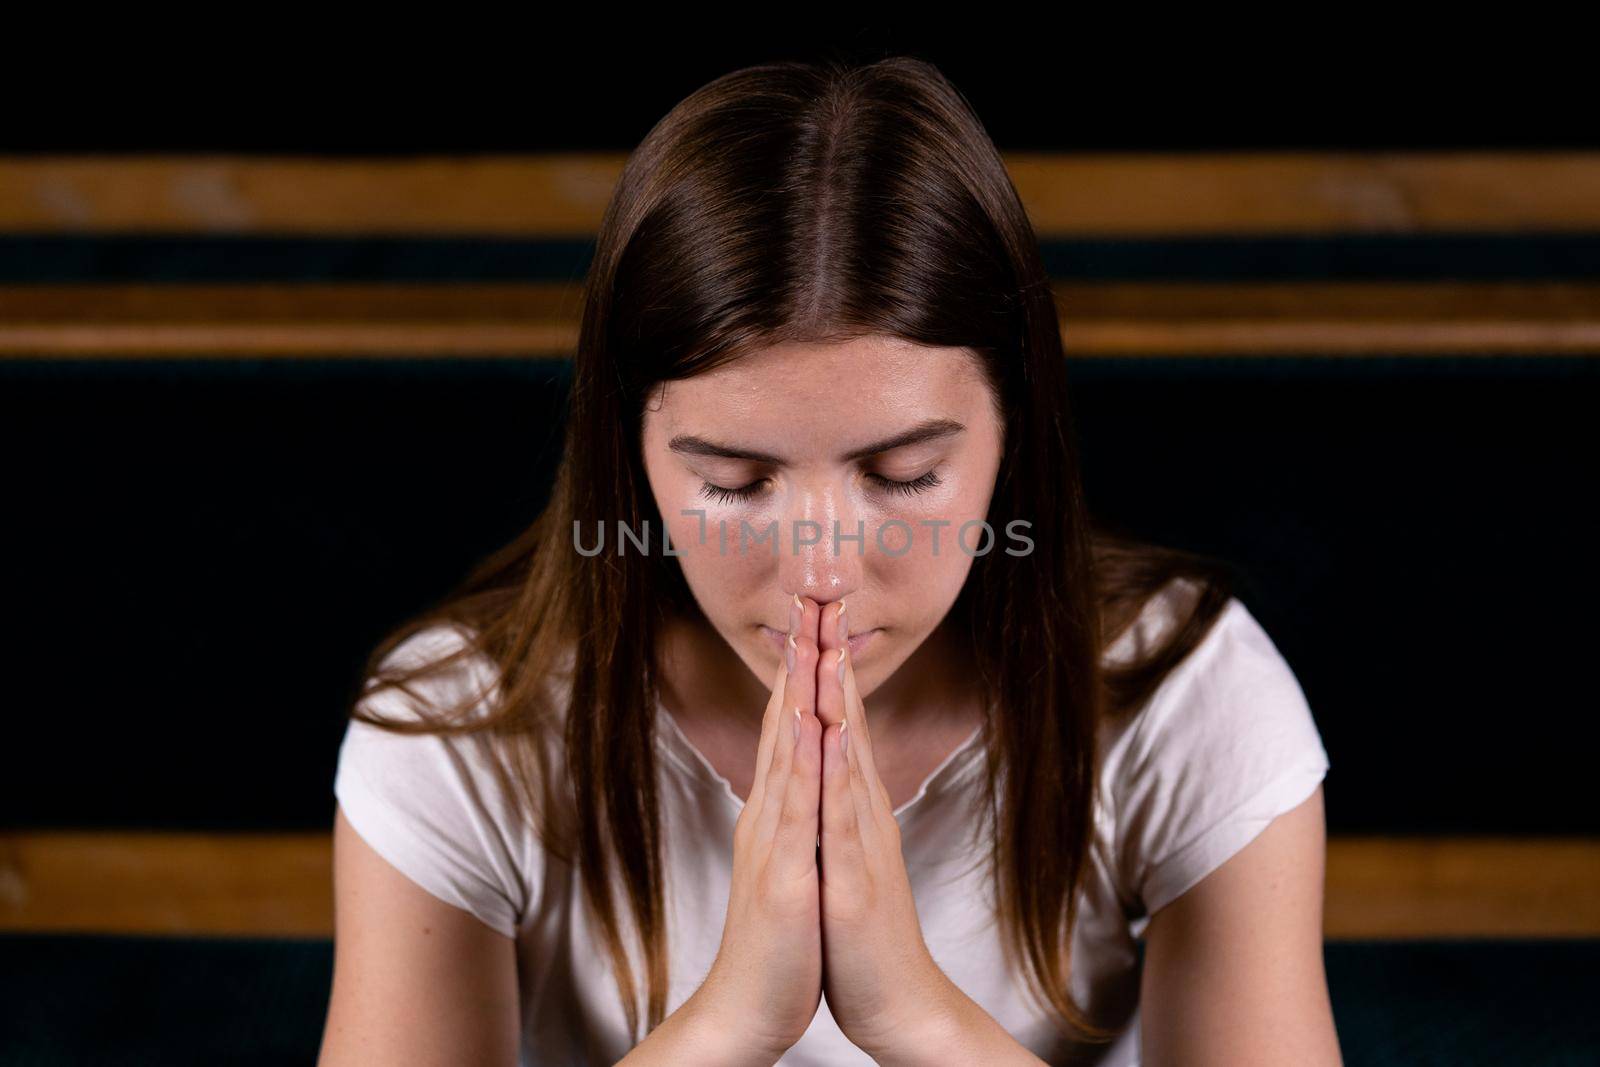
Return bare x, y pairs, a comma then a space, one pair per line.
921, 484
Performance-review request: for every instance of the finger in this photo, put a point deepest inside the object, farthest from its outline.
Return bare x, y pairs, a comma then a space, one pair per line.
830, 690
866, 784
799, 694
801, 685
771, 720
804, 613
795, 838
848, 806
833, 633
840, 822
833, 625
807, 615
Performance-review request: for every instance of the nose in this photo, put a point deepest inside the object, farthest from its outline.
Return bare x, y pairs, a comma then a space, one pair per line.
824, 544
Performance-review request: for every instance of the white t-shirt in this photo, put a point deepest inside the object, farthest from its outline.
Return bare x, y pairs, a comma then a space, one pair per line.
1222, 747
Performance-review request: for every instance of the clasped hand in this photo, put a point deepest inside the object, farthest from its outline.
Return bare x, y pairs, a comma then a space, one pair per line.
820, 902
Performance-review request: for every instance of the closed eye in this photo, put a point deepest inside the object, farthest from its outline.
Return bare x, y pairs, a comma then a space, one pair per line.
731, 496
746, 493
916, 485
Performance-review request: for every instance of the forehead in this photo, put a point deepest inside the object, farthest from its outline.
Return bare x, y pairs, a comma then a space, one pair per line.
862, 381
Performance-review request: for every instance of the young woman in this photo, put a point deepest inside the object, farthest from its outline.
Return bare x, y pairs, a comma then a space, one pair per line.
888, 754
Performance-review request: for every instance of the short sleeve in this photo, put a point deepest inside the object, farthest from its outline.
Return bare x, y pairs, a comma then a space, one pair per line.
432, 805
1226, 744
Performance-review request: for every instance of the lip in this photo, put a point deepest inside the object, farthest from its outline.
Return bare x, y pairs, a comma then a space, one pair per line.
857, 642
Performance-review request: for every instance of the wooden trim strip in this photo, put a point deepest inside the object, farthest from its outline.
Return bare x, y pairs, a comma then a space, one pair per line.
167, 883
280, 884
563, 195
540, 320
1382, 887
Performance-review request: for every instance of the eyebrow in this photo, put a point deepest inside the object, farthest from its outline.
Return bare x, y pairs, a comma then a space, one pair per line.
928, 430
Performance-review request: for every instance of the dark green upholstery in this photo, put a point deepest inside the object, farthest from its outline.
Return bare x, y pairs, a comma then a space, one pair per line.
166, 1002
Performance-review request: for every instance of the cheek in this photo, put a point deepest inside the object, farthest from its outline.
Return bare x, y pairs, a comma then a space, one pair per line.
934, 564
720, 576
922, 556
926, 526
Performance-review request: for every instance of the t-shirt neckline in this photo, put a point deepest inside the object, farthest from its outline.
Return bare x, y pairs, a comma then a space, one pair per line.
683, 752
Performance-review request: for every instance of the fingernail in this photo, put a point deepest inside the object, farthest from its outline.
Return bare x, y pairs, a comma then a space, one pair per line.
844, 739
788, 654
844, 627
797, 724
797, 611
841, 666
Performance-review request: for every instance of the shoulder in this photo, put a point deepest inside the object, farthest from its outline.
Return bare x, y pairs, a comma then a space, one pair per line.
460, 679
437, 804
1234, 680
1226, 743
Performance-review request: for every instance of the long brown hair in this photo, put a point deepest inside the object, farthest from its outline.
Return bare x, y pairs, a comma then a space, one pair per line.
811, 202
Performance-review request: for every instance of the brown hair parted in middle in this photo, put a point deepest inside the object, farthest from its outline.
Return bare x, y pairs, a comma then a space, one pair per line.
801, 202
